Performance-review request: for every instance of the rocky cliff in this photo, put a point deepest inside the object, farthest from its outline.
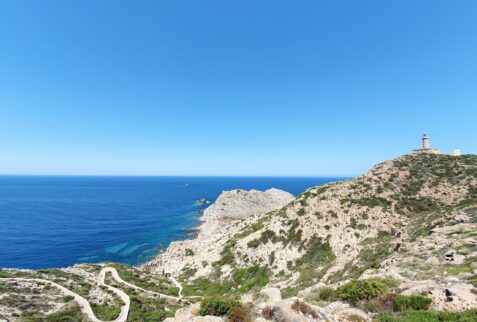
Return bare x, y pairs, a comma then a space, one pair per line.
398, 243
240, 204
412, 220
221, 220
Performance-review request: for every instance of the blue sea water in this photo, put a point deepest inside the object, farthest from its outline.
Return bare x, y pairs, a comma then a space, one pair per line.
57, 221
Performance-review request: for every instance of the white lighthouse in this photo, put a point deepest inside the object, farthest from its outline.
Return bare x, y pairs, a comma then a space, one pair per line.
426, 146
425, 142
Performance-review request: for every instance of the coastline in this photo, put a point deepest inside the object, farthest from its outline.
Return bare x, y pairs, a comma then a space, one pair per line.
224, 218
95, 216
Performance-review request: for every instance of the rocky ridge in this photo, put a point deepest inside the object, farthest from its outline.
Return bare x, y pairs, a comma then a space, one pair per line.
412, 219
407, 228
223, 218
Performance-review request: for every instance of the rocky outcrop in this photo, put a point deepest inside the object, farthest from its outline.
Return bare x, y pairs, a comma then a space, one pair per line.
229, 213
412, 219
410, 223
240, 204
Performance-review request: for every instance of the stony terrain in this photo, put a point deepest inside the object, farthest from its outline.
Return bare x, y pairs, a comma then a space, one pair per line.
221, 220
412, 220
86, 292
28, 295
398, 243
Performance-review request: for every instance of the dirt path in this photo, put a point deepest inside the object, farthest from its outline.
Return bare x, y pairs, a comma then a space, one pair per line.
123, 316
82, 302
85, 305
118, 278
176, 283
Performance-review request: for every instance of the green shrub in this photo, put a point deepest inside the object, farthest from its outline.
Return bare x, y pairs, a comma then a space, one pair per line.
294, 235
353, 223
317, 253
217, 306
372, 202
427, 316
251, 277
325, 293
271, 258
413, 302
391, 283
381, 304
320, 294
106, 312
148, 309
68, 298
72, 314
358, 290
267, 235
228, 257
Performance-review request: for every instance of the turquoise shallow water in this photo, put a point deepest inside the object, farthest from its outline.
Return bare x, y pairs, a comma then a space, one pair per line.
59, 221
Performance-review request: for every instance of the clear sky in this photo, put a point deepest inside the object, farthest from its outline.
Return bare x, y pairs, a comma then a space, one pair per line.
301, 88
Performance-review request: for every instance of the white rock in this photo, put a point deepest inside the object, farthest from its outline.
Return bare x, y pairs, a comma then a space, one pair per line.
271, 295
239, 204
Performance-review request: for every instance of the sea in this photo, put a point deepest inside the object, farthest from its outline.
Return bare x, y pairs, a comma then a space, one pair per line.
58, 221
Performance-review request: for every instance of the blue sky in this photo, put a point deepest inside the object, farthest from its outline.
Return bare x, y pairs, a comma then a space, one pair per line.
300, 88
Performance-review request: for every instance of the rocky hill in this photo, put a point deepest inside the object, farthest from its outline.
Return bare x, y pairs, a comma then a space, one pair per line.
240, 204
412, 220
398, 243
221, 220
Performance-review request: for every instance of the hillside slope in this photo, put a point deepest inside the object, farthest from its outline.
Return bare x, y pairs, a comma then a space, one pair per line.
413, 219
398, 243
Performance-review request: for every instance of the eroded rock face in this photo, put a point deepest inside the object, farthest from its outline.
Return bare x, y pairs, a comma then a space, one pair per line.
240, 204
225, 217
412, 219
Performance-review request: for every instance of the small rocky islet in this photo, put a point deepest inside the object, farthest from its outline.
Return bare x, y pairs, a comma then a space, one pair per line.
398, 243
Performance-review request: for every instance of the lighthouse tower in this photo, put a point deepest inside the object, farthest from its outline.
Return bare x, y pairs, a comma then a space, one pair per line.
426, 146
425, 142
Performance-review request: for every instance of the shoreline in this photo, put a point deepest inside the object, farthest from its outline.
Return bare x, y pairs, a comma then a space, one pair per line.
158, 213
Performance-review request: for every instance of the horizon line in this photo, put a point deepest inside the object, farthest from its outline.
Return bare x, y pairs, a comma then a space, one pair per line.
177, 176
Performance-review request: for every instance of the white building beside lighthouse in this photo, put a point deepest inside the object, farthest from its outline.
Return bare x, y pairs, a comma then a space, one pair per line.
426, 148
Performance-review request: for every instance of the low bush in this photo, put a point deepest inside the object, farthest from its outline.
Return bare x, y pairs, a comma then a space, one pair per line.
148, 309
71, 314
320, 294
427, 316
267, 312
68, 298
218, 306
274, 313
304, 308
413, 302
239, 315
249, 278
382, 303
325, 293
106, 313
358, 290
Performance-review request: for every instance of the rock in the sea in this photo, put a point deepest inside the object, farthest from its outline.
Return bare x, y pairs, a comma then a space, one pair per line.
202, 201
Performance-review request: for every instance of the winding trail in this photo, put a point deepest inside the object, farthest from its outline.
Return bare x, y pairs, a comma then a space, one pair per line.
118, 278
82, 302
85, 305
176, 283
